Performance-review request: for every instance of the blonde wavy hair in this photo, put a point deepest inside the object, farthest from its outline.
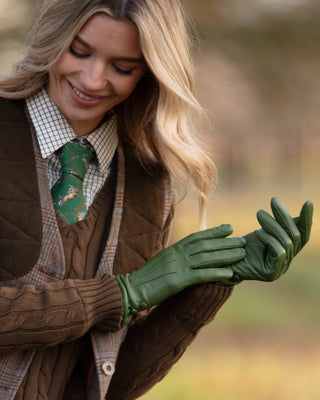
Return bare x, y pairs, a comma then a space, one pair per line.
158, 119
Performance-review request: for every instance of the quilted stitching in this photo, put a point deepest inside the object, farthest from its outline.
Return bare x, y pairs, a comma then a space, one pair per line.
19, 195
141, 235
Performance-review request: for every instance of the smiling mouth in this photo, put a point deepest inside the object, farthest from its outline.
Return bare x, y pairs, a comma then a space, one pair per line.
84, 96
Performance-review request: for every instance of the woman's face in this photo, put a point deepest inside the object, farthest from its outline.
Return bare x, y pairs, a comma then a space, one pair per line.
100, 70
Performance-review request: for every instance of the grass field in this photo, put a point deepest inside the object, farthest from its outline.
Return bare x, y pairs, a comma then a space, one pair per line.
246, 366
265, 341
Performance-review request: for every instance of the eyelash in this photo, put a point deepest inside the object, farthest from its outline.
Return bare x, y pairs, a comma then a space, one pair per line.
122, 71
116, 68
76, 54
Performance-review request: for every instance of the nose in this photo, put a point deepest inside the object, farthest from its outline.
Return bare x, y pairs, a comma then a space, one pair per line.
94, 77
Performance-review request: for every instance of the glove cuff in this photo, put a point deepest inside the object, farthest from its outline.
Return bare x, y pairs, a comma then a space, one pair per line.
127, 309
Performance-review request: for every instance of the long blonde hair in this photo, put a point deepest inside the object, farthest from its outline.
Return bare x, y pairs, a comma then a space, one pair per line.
158, 119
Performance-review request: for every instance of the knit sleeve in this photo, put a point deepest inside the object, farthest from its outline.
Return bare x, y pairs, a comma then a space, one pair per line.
56, 312
155, 343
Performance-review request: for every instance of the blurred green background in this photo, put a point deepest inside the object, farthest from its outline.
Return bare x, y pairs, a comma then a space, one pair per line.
258, 63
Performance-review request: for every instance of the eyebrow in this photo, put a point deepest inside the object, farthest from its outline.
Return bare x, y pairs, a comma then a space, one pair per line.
127, 59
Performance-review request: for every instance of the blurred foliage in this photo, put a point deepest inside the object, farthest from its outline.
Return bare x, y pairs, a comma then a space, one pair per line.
16, 18
259, 82
258, 78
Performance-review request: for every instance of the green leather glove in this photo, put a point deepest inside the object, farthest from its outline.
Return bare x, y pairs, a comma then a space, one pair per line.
269, 251
198, 258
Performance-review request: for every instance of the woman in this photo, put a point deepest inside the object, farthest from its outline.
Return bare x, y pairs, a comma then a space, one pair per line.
106, 86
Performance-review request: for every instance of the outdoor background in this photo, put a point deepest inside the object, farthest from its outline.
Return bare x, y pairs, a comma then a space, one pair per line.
258, 66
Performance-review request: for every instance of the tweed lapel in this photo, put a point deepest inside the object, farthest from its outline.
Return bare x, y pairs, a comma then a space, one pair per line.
135, 236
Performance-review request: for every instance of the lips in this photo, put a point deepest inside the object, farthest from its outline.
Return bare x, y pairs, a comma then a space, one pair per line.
82, 98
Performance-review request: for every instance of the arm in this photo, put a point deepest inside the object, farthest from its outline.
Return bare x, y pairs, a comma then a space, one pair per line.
56, 312
154, 344
63, 311
210, 256
201, 257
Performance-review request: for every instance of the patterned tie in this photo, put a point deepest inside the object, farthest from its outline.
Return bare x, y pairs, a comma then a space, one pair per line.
67, 194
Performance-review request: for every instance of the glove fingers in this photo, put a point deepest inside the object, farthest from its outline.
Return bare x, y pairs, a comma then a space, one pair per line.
213, 274
283, 217
213, 245
276, 262
304, 222
271, 226
216, 259
212, 233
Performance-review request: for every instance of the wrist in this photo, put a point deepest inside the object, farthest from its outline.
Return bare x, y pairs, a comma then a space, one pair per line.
127, 309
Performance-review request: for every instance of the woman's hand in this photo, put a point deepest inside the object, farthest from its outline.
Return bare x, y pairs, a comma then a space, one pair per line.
200, 257
270, 250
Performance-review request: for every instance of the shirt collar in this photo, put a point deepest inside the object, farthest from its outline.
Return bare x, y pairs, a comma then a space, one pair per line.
53, 130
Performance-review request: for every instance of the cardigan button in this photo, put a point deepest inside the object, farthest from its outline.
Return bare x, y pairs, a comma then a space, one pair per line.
108, 368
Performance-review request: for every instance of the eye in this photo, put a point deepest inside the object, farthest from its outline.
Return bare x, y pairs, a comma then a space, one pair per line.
77, 54
123, 71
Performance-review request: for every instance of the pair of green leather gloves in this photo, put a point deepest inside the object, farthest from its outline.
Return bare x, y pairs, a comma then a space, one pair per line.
212, 256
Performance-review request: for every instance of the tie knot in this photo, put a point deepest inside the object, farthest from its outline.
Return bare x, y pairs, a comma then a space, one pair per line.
75, 159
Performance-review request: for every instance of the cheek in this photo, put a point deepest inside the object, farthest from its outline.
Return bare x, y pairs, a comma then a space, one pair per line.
60, 69
63, 66
125, 87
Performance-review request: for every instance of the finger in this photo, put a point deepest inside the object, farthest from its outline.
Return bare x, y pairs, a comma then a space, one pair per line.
212, 233
276, 261
282, 215
216, 258
211, 245
304, 222
271, 226
213, 274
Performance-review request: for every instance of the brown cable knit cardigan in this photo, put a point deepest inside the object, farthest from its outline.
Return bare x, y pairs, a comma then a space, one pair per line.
153, 343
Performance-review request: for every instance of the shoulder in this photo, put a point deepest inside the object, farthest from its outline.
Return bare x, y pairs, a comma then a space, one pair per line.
20, 212
12, 111
14, 125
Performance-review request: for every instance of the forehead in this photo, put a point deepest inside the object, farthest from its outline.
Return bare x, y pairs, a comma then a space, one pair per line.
103, 31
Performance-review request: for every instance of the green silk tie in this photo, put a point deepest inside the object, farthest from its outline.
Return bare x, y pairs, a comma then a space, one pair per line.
67, 194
